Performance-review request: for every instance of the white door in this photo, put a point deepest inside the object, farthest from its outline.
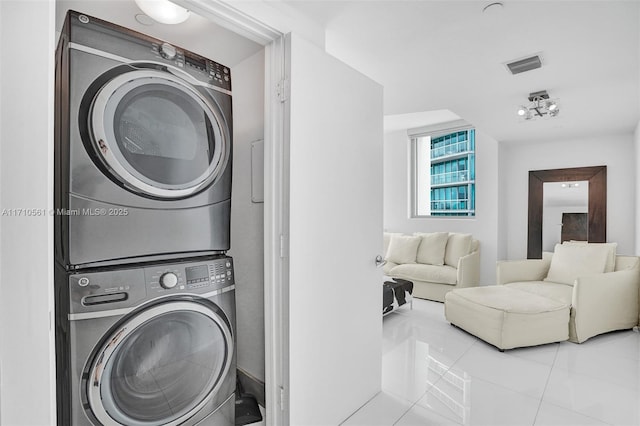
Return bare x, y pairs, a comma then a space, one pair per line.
335, 233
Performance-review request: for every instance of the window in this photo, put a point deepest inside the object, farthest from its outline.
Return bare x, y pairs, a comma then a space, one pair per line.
444, 174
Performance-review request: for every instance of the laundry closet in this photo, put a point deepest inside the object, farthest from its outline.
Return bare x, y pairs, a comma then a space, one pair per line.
323, 206
159, 217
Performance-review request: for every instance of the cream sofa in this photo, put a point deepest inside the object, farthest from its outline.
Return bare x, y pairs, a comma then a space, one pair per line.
436, 262
577, 292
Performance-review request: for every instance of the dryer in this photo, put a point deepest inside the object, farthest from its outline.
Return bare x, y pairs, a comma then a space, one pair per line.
147, 345
143, 148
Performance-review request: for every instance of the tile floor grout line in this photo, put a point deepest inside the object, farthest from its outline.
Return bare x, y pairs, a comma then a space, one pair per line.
407, 411
604, 379
581, 414
360, 408
553, 364
433, 384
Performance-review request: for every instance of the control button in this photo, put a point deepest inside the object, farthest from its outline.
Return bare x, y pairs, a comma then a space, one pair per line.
226, 70
83, 282
168, 280
228, 264
226, 78
168, 51
228, 273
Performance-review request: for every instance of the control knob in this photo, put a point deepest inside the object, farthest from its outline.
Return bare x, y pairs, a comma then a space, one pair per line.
168, 51
168, 280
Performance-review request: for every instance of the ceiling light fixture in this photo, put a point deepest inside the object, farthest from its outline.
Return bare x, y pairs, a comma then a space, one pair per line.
493, 7
540, 105
163, 11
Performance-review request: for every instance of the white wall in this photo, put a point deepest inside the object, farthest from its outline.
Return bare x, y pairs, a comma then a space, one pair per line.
484, 226
247, 218
636, 143
613, 151
26, 160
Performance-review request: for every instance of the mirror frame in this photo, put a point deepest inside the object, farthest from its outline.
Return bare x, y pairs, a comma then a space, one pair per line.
597, 177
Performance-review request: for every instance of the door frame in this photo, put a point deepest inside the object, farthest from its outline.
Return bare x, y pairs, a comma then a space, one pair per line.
276, 190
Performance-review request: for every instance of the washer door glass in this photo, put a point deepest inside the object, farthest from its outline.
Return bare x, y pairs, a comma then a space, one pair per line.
161, 366
157, 134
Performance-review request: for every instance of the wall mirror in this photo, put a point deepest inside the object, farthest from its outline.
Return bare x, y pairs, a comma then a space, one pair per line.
596, 218
565, 213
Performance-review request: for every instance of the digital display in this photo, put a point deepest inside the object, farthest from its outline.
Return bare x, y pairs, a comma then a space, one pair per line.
194, 62
197, 273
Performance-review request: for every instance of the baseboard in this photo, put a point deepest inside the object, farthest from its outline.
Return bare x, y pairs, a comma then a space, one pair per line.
252, 386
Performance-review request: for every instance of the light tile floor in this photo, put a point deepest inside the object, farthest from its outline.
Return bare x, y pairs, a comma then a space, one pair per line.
436, 374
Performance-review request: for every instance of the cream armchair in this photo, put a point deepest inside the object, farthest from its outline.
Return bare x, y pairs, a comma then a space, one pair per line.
600, 302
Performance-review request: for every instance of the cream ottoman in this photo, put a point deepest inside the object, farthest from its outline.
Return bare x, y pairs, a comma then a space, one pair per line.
506, 317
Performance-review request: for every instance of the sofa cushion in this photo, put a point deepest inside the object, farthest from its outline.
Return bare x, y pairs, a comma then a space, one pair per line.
611, 260
386, 239
403, 249
458, 245
388, 266
427, 273
560, 292
432, 247
570, 261
508, 299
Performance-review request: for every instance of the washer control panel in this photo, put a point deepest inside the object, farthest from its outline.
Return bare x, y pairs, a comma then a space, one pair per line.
124, 287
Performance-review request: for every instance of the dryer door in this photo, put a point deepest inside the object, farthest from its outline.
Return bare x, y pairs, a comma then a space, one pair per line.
160, 366
157, 134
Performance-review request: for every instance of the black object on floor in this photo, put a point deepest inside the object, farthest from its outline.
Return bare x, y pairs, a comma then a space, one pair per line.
247, 410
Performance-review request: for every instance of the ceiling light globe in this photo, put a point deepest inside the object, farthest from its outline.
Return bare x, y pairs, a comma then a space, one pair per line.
522, 111
552, 106
163, 11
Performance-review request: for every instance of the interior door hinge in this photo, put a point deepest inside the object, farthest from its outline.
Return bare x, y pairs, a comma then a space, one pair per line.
282, 399
282, 89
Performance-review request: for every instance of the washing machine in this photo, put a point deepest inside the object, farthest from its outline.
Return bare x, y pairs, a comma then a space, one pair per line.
143, 148
147, 345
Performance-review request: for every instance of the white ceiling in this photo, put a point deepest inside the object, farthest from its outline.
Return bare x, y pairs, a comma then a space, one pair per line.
432, 56
435, 55
197, 34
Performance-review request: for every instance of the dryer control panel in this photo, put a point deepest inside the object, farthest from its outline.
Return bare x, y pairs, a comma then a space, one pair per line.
193, 277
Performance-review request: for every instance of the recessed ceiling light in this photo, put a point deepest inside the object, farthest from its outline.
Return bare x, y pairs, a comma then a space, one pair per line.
144, 19
493, 7
163, 11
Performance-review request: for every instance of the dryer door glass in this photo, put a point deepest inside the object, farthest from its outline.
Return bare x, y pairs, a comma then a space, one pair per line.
158, 135
161, 366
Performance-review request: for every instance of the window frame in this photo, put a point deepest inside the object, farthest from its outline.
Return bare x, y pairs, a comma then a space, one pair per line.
435, 132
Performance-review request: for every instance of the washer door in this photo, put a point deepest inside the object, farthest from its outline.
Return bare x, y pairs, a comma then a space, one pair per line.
157, 134
160, 366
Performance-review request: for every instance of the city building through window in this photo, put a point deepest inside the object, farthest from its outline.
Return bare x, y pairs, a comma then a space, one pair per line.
444, 174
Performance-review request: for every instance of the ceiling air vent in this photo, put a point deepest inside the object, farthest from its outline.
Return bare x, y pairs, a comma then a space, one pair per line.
525, 64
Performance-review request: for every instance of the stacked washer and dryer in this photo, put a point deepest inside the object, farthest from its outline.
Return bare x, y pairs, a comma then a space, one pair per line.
145, 301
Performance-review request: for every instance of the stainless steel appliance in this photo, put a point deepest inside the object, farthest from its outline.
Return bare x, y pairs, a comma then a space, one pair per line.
147, 345
143, 148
